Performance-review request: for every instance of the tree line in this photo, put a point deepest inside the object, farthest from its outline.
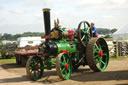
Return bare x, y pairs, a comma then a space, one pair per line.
106, 31
11, 37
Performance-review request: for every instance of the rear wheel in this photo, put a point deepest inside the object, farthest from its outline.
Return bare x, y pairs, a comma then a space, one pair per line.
3, 56
34, 68
97, 54
63, 66
23, 60
18, 61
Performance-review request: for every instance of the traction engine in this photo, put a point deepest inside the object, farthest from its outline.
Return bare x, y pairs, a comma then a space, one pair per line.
66, 50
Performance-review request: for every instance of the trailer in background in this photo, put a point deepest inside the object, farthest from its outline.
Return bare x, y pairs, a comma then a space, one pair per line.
7, 49
27, 46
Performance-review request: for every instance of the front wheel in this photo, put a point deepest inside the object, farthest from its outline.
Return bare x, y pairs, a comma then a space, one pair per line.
34, 68
63, 66
97, 54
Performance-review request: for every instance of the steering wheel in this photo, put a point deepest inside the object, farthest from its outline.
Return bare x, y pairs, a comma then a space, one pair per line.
84, 32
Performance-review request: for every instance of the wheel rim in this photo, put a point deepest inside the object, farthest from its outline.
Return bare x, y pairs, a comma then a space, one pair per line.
84, 34
101, 54
34, 68
63, 66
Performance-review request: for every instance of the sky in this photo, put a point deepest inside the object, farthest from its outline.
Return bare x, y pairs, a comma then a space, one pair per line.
18, 16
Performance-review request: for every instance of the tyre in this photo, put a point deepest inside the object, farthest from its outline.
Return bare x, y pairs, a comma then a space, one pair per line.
18, 59
97, 54
23, 60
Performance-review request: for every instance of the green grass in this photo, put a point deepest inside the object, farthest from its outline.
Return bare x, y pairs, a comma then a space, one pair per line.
108, 39
118, 58
7, 61
13, 60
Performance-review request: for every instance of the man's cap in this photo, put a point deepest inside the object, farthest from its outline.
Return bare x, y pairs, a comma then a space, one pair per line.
92, 23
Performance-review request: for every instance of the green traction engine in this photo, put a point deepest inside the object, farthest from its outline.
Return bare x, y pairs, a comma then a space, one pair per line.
66, 50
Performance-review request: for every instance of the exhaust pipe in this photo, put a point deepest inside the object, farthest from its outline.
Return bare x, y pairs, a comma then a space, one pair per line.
47, 26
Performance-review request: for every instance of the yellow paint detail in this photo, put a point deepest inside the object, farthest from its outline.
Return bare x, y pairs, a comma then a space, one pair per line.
6, 53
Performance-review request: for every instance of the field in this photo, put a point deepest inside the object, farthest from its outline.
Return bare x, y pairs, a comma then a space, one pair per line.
13, 60
7, 61
115, 74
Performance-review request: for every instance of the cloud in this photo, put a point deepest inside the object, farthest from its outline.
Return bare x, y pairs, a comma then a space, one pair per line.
17, 11
103, 4
1, 7
27, 14
20, 28
108, 16
43, 3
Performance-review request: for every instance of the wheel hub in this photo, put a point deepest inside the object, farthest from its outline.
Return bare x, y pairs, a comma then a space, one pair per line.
100, 53
37, 68
66, 66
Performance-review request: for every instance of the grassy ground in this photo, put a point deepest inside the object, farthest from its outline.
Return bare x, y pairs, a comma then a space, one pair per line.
7, 61
13, 60
108, 39
118, 58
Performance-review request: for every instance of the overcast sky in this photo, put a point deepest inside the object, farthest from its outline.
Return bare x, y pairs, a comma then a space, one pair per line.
18, 16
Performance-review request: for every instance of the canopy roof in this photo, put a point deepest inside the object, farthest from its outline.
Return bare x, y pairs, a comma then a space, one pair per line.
122, 30
121, 34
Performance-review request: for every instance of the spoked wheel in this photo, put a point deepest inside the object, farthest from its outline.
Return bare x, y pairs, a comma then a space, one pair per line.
97, 54
75, 61
23, 60
84, 32
34, 68
18, 61
63, 66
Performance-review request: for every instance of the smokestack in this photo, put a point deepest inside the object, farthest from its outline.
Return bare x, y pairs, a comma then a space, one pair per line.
47, 26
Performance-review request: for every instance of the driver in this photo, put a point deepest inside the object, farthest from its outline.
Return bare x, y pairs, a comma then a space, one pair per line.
94, 31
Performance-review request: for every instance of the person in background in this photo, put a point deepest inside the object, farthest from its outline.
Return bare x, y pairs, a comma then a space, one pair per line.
94, 31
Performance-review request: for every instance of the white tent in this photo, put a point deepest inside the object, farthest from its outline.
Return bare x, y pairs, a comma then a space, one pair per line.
121, 34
